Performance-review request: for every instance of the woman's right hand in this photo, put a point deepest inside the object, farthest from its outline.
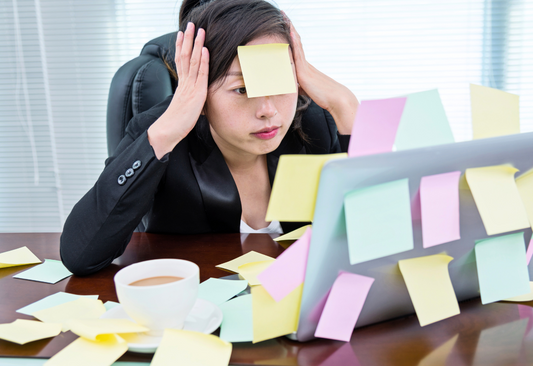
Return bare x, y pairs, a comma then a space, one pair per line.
192, 65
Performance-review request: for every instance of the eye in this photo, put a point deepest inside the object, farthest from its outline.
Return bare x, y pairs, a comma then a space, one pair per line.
241, 90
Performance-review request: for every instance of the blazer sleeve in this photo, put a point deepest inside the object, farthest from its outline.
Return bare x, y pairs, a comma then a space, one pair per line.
101, 224
321, 129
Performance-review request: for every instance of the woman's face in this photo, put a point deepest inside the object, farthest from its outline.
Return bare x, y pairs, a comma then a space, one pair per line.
248, 126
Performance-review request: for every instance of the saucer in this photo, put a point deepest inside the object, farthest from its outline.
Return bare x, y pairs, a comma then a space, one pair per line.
205, 317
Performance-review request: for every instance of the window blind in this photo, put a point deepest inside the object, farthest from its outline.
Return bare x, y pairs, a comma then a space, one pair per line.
57, 58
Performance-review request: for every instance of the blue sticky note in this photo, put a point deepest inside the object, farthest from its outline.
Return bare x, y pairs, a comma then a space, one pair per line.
51, 271
219, 291
237, 323
423, 122
502, 267
50, 301
378, 221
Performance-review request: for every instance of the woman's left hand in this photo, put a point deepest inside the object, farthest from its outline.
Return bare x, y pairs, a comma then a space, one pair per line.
323, 90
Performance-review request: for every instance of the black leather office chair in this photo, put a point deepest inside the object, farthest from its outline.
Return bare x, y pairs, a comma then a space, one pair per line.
139, 85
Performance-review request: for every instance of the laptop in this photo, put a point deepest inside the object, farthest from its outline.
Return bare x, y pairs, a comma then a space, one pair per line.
388, 297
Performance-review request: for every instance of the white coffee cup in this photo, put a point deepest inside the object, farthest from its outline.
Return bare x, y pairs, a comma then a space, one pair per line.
159, 306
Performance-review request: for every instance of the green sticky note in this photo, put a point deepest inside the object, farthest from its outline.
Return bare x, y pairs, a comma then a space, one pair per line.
51, 271
50, 301
423, 122
219, 291
378, 221
502, 267
266, 69
237, 323
110, 305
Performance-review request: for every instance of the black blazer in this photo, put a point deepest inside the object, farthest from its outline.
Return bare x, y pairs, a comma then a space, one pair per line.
189, 191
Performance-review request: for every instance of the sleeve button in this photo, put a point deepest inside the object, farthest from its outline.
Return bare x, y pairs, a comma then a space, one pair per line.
129, 173
121, 180
136, 165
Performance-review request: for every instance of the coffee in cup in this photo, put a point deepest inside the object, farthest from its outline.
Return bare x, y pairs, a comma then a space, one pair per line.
158, 293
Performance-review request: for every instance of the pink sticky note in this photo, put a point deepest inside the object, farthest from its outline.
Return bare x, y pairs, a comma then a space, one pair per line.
439, 202
343, 306
375, 126
529, 252
288, 271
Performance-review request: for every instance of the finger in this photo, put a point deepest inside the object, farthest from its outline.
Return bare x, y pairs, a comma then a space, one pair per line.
186, 48
179, 42
298, 53
203, 72
196, 53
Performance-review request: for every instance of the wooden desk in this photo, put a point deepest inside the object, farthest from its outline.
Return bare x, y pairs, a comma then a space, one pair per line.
485, 335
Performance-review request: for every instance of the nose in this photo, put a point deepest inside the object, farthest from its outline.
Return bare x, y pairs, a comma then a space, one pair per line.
266, 108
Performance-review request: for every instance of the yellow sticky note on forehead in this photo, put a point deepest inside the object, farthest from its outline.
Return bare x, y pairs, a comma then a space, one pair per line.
266, 69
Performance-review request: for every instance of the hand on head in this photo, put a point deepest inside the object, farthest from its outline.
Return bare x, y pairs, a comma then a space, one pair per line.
323, 90
192, 66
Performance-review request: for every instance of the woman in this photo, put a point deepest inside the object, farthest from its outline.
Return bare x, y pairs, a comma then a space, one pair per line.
204, 159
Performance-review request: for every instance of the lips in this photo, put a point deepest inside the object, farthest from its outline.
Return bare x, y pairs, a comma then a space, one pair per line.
266, 133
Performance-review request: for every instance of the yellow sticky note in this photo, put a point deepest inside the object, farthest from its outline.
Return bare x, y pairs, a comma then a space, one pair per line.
82, 308
23, 331
249, 271
494, 112
252, 256
497, 198
185, 347
273, 318
18, 257
92, 328
266, 69
295, 187
293, 235
84, 352
429, 285
524, 183
522, 298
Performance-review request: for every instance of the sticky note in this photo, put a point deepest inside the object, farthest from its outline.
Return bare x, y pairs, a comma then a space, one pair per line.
219, 291
110, 305
501, 267
378, 221
295, 187
18, 257
439, 356
250, 271
51, 271
92, 328
497, 198
430, 288
252, 256
266, 69
288, 271
237, 321
183, 347
293, 235
84, 352
24, 331
52, 300
494, 112
375, 126
273, 318
82, 308
343, 306
424, 122
524, 183
529, 252
522, 298
439, 202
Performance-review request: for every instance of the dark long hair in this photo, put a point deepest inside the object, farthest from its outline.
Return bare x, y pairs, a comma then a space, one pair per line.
232, 23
